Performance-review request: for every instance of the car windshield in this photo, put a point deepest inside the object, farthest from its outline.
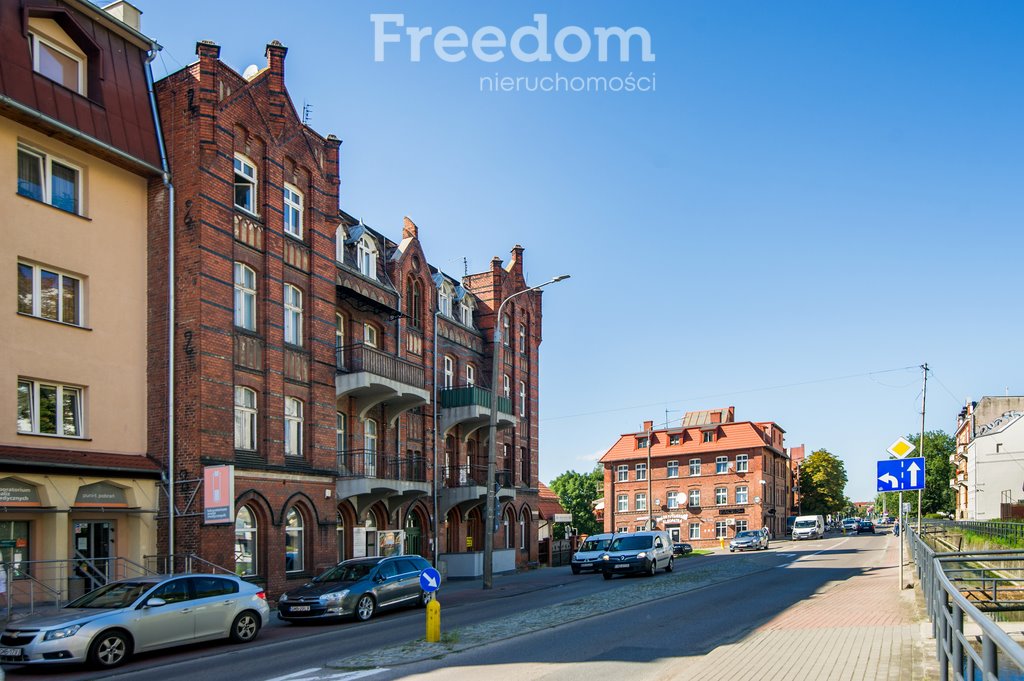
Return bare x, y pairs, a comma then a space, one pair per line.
804, 523
595, 544
345, 573
630, 544
117, 595
749, 533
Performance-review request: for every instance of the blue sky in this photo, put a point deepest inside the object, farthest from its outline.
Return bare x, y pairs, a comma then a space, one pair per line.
816, 198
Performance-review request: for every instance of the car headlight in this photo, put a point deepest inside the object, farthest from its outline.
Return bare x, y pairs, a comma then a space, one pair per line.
284, 598
606, 557
66, 632
642, 554
333, 597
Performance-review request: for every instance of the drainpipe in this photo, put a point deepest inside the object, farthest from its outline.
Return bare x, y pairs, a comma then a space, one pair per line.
166, 176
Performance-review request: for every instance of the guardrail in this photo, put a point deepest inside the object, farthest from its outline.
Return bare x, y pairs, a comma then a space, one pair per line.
990, 656
1010, 531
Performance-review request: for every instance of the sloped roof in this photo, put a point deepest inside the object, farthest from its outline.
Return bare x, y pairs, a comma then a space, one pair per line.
31, 457
731, 436
547, 502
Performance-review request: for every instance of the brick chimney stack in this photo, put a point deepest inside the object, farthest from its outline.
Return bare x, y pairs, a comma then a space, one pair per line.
275, 84
648, 426
205, 96
515, 265
409, 229
333, 160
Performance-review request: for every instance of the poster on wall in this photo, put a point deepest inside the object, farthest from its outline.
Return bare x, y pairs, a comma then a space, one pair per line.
218, 495
358, 542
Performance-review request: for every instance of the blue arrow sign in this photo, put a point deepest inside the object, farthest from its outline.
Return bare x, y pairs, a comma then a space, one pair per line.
898, 475
430, 579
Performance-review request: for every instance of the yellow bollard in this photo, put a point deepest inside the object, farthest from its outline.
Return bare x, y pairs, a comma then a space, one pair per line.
722, 542
433, 621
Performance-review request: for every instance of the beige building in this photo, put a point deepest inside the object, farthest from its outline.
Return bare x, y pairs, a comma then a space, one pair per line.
79, 156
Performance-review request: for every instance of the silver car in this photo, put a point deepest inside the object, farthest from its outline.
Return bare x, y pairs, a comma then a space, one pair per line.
106, 626
749, 539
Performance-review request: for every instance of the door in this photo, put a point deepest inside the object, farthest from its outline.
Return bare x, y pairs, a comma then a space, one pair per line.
92, 549
389, 586
408, 579
215, 602
168, 624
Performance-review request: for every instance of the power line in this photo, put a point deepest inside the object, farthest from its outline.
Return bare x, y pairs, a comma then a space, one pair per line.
729, 394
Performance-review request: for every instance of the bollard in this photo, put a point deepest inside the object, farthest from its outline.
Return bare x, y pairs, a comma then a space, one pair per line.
721, 541
434, 621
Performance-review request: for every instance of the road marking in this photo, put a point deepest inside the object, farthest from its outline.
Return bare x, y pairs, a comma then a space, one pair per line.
321, 674
811, 555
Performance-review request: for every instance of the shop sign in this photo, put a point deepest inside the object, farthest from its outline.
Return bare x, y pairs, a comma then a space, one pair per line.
218, 495
16, 493
101, 494
731, 511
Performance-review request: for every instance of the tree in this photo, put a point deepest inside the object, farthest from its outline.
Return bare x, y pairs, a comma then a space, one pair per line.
577, 493
822, 484
937, 494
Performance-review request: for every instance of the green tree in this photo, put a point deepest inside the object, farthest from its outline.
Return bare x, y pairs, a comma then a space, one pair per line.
822, 484
938, 496
577, 493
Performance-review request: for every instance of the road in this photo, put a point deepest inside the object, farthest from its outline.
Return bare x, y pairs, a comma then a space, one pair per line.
601, 644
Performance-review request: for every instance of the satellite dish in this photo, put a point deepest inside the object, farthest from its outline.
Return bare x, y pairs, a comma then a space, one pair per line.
250, 71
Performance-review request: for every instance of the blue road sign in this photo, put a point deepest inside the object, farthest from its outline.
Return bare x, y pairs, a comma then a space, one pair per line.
430, 579
897, 475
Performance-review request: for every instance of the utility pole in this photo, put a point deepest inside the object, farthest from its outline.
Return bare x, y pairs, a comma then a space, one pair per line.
924, 395
650, 499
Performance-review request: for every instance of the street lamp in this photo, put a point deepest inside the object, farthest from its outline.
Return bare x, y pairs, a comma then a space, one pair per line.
492, 433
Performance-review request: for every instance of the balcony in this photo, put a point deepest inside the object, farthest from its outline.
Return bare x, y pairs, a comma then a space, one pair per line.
465, 486
368, 476
375, 378
470, 407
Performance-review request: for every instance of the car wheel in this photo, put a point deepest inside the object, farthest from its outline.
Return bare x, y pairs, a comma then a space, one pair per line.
575, 570
766, 545
110, 649
668, 568
245, 627
365, 607
606, 575
653, 568
732, 550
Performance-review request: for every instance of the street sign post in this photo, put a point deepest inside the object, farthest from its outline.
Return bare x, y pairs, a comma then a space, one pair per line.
430, 580
901, 448
898, 475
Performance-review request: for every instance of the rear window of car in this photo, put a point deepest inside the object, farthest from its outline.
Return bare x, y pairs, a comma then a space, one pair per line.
407, 565
208, 587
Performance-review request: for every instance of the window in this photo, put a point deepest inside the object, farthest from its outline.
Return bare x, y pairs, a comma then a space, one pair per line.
507, 382
742, 465
245, 297
522, 338
339, 432
292, 426
340, 236
673, 499
292, 315
506, 330
709, 436
641, 501
173, 592
641, 471
721, 496
366, 257
292, 211
57, 63
642, 442
673, 440
522, 398
741, 526
721, 530
622, 473
49, 294
212, 587
694, 530
672, 469
694, 498
339, 340
49, 409
522, 530
53, 181
413, 303
622, 529
741, 494
470, 375
444, 301
721, 464
245, 184
622, 503
245, 418
370, 335
449, 371
465, 313
245, 543
694, 466
293, 547
370, 448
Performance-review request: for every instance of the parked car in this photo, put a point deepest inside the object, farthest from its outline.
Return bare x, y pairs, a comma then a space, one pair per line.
108, 625
865, 526
850, 524
643, 552
681, 549
358, 587
749, 539
589, 552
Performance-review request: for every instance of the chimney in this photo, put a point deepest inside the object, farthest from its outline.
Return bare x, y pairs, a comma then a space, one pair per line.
648, 426
515, 265
275, 84
333, 161
126, 13
409, 229
206, 94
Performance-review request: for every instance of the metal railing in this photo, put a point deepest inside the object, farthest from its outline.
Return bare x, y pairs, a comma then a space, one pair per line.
366, 463
1010, 531
36, 584
181, 563
948, 580
471, 395
360, 357
469, 475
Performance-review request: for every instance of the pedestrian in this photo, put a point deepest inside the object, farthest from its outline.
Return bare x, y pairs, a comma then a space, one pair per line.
896, 528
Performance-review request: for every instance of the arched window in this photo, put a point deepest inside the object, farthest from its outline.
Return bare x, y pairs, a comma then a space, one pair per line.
449, 371
339, 340
245, 184
292, 315
366, 257
370, 445
340, 235
524, 526
414, 302
245, 543
522, 398
245, 297
294, 549
245, 418
292, 426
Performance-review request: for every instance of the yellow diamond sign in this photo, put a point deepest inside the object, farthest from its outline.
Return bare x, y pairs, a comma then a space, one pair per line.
901, 448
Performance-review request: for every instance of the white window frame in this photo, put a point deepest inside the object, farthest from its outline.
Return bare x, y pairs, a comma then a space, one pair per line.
249, 533
694, 464
293, 421
245, 297
449, 371
507, 385
339, 339
672, 469
694, 531
622, 473
621, 503
721, 496
245, 418
672, 499
522, 530
297, 530
741, 526
293, 315
293, 211
641, 471
742, 494
721, 530
693, 498
340, 426
742, 463
506, 330
522, 398
36, 302
721, 465
370, 336
521, 340
35, 39
444, 300
46, 163
465, 313
640, 501
246, 170
32, 388
470, 375
366, 257
340, 236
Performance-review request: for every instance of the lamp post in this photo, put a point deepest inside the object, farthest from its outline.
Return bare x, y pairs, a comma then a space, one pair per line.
492, 433
650, 497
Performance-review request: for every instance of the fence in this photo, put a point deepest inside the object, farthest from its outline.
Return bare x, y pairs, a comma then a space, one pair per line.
40, 584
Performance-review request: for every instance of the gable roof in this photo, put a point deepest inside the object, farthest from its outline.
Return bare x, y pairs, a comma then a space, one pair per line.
731, 436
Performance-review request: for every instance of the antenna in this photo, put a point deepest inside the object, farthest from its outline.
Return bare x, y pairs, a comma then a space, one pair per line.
465, 266
307, 112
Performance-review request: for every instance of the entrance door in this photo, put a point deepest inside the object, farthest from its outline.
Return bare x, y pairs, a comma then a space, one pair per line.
92, 550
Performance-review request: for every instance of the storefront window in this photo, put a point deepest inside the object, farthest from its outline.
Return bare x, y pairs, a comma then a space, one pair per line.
293, 541
14, 546
245, 543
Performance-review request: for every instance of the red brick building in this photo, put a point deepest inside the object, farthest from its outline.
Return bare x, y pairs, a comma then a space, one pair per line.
706, 480
328, 364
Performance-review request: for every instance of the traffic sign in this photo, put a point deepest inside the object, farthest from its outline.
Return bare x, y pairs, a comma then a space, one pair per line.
897, 475
901, 448
430, 580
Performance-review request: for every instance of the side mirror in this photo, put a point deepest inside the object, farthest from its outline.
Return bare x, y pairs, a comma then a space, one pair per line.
155, 602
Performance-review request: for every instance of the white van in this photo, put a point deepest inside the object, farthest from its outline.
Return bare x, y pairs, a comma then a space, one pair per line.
809, 527
589, 553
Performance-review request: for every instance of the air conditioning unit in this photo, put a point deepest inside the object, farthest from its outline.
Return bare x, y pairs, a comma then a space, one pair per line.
730, 521
729, 466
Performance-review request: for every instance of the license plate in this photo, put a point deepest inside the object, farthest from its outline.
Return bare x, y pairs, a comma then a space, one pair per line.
299, 608
10, 652
586, 565
621, 567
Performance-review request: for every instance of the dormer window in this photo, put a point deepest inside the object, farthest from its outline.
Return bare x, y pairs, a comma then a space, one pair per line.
444, 300
465, 313
366, 256
245, 184
58, 62
340, 236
